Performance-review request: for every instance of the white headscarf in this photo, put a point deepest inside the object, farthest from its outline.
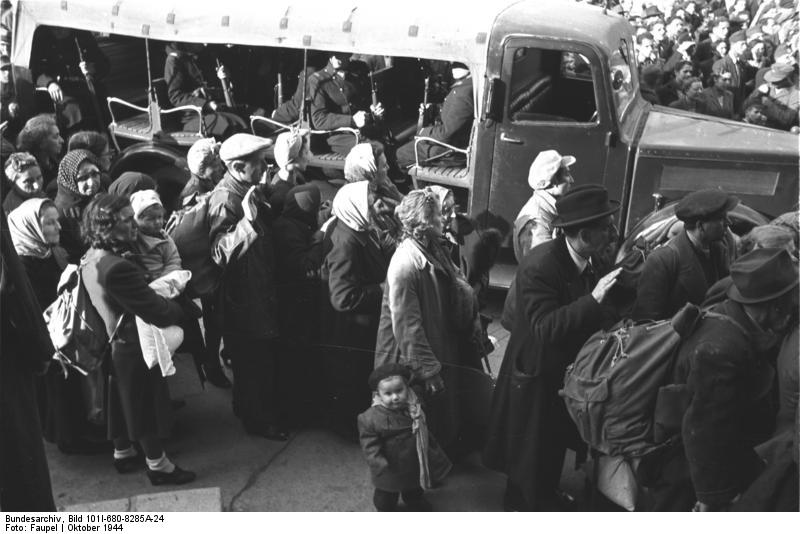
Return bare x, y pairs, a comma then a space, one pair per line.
25, 227
351, 206
360, 164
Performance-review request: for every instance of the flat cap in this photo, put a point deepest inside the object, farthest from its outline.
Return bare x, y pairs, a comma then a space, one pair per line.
241, 145
545, 166
778, 72
704, 205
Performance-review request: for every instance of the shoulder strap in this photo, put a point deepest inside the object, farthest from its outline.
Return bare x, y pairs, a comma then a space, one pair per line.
727, 318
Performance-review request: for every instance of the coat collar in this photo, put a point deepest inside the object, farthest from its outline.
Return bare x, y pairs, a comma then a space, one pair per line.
411, 249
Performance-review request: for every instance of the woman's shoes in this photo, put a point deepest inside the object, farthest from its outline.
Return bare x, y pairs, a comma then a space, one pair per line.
130, 464
177, 477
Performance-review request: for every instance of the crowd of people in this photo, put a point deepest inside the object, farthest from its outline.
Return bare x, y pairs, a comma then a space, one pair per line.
383, 292
735, 59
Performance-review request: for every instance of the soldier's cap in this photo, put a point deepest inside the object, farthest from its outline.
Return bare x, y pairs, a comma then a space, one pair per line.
545, 166
705, 205
652, 11
762, 275
385, 371
778, 72
737, 37
583, 204
242, 145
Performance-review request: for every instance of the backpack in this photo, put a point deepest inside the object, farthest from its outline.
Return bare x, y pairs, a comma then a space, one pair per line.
619, 376
189, 229
76, 329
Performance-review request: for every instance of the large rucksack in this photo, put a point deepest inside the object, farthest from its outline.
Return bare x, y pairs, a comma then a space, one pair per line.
189, 228
76, 329
612, 388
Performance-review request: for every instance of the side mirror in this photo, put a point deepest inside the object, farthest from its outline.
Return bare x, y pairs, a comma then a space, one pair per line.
495, 93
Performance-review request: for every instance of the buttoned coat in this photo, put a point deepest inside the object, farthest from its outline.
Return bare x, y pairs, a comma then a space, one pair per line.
672, 276
529, 427
390, 447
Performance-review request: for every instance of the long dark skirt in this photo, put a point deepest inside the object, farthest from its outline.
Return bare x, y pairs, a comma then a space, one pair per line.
139, 403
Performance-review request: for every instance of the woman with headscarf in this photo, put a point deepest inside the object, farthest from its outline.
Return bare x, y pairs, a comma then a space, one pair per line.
25, 176
354, 269
130, 182
206, 168
291, 155
35, 229
298, 253
78, 182
97, 144
428, 309
139, 408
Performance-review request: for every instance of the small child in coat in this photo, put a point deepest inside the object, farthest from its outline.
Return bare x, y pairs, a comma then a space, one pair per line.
154, 249
403, 457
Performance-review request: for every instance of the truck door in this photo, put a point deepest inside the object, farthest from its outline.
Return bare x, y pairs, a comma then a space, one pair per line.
553, 100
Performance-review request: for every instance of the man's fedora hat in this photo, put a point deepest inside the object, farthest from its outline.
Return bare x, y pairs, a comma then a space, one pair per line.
762, 275
583, 204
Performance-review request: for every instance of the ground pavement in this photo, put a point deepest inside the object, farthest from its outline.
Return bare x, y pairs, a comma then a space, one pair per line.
314, 471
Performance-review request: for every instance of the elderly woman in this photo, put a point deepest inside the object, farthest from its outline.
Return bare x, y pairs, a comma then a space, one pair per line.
97, 144
34, 230
22, 170
549, 177
427, 308
41, 137
354, 268
78, 183
139, 408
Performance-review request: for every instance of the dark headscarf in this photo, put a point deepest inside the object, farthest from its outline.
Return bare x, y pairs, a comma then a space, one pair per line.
302, 204
67, 179
130, 182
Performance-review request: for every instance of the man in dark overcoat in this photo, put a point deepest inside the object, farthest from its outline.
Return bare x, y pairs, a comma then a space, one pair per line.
730, 379
25, 350
560, 304
240, 226
691, 262
454, 128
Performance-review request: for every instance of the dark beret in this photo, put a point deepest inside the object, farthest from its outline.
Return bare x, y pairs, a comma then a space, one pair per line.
704, 205
385, 371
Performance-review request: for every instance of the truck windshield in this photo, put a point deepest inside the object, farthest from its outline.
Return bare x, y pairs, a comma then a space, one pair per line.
623, 77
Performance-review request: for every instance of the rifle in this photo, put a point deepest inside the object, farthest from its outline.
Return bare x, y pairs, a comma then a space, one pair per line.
279, 91
304, 119
380, 123
421, 118
90, 86
227, 89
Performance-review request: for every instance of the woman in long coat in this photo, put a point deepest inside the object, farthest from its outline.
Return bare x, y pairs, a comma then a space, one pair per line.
35, 231
427, 306
355, 267
139, 408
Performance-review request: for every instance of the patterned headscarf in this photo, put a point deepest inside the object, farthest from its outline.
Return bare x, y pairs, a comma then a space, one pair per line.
351, 206
360, 164
68, 169
25, 227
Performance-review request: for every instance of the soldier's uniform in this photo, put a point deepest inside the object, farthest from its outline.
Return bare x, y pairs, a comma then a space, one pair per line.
456, 124
334, 101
